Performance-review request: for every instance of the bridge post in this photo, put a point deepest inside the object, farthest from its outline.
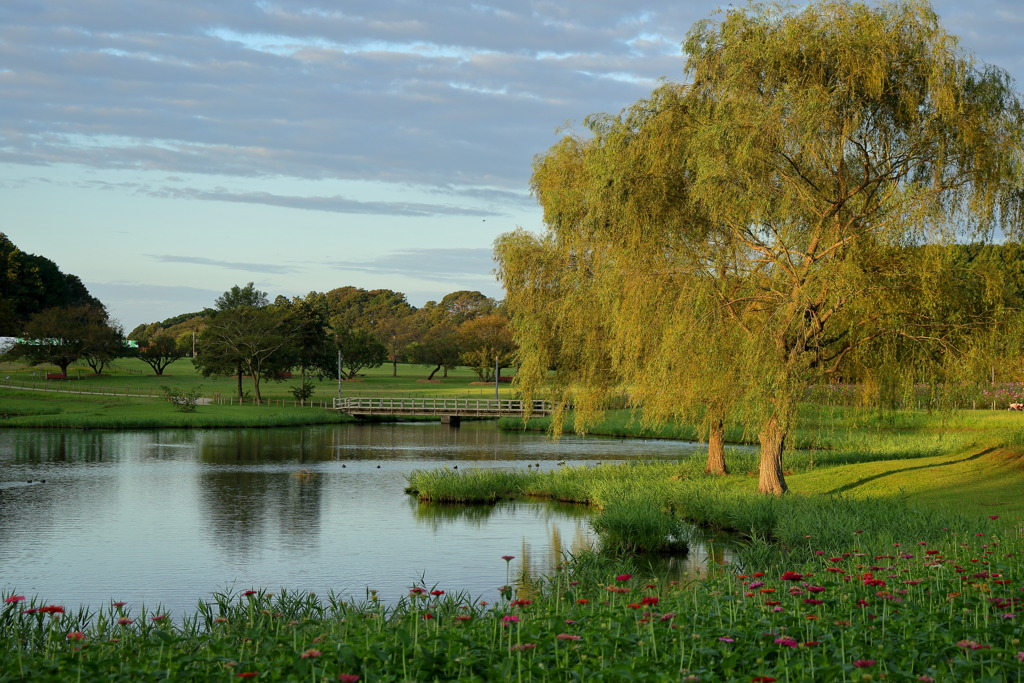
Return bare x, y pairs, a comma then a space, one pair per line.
450, 420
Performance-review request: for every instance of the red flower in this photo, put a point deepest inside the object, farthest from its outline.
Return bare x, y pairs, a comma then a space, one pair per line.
521, 602
581, 601
567, 636
348, 678
76, 635
649, 600
437, 592
119, 604
623, 577
124, 621
428, 615
52, 609
248, 593
13, 599
863, 663
248, 674
762, 679
791, 576
158, 617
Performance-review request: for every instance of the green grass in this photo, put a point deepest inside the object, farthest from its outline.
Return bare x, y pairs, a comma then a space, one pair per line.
129, 396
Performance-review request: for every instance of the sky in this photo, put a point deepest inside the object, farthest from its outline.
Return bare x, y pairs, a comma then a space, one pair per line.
165, 150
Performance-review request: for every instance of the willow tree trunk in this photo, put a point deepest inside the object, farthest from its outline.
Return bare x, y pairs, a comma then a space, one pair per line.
773, 442
716, 446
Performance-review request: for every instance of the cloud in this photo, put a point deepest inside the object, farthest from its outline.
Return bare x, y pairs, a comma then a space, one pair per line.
430, 264
334, 204
275, 268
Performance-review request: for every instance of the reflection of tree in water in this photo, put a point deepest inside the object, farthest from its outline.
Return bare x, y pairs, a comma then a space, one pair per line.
298, 445
59, 446
250, 492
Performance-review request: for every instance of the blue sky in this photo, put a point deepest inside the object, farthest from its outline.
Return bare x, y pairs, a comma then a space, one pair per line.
165, 150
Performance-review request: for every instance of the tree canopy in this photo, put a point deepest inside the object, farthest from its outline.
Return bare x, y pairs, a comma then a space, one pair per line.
772, 223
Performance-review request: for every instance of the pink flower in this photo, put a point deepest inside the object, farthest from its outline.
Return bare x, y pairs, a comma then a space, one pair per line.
13, 599
788, 642
567, 636
508, 558
310, 653
510, 618
522, 647
623, 577
863, 663
159, 617
816, 589
76, 635
124, 621
348, 678
119, 604
1020, 656
726, 639
993, 516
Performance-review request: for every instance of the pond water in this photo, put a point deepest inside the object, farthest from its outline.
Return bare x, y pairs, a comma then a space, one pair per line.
169, 517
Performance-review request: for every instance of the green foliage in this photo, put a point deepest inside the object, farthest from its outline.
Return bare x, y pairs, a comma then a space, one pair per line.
782, 220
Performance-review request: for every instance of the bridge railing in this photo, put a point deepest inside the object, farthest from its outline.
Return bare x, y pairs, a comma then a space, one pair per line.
437, 405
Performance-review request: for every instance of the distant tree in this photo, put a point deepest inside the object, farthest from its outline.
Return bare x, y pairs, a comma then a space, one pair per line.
359, 349
437, 341
161, 350
105, 343
458, 307
311, 349
256, 340
241, 297
30, 284
60, 335
486, 342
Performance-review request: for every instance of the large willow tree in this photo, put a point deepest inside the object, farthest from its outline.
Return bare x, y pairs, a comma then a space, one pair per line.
730, 241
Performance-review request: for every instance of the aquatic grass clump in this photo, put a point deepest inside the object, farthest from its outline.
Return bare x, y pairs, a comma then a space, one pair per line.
639, 524
468, 486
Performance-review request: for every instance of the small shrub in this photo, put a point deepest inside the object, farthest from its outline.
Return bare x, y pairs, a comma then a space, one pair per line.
185, 401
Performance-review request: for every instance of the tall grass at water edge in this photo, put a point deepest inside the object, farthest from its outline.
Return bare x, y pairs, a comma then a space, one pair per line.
652, 496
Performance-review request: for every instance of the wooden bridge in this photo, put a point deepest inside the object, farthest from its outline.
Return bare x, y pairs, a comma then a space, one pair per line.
450, 410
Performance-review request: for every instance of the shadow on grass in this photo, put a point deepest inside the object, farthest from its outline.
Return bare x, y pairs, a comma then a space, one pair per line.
874, 477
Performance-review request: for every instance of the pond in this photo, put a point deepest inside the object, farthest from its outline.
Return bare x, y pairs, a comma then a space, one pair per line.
169, 517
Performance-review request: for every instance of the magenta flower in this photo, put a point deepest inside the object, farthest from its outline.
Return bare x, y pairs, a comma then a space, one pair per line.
788, 642
508, 558
623, 577
726, 639
13, 599
863, 663
348, 678
510, 618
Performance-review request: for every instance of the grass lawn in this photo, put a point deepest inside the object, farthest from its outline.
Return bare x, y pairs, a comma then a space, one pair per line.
124, 396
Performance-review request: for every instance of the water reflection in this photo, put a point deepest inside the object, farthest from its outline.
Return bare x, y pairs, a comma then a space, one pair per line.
171, 516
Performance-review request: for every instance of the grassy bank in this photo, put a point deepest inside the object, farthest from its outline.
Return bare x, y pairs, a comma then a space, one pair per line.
129, 397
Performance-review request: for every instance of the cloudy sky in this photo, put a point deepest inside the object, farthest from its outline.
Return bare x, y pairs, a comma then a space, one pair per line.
165, 150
